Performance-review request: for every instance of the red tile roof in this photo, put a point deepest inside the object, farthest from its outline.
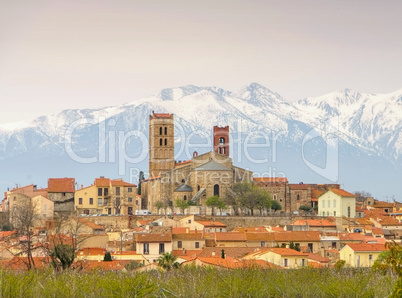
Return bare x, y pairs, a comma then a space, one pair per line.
341, 192
232, 263
351, 237
318, 258
367, 247
211, 223
161, 115
314, 223
234, 252
153, 237
297, 236
61, 185
299, 186
182, 163
231, 236
120, 182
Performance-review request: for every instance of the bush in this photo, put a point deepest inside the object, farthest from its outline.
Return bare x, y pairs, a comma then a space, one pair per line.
107, 257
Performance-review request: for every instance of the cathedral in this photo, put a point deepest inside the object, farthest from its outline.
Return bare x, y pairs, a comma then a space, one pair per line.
204, 175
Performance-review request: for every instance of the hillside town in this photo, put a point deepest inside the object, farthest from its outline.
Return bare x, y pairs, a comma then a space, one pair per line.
204, 211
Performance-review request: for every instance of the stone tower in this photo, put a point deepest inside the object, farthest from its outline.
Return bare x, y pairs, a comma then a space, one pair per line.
161, 143
221, 140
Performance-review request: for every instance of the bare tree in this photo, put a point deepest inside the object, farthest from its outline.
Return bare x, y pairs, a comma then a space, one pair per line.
23, 218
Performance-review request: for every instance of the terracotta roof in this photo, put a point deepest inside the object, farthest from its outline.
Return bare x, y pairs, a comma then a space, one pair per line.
261, 229
341, 192
377, 231
120, 182
297, 236
278, 250
61, 185
382, 204
232, 263
186, 253
299, 186
270, 179
90, 265
318, 258
385, 220
211, 223
234, 252
366, 247
19, 263
188, 236
91, 224
267, 236
316, 193
7, 233
162, 115
103, 182
314, 223
152, 178
91, 251
351, 237
153, 237
182, 163
231, 236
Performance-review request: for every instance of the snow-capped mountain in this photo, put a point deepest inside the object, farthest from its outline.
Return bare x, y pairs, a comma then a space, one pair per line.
92, 142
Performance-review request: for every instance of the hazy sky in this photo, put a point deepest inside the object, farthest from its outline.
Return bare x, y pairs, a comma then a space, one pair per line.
58, 54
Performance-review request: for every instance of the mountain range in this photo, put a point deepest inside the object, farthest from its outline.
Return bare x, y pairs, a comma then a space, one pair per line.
344, 137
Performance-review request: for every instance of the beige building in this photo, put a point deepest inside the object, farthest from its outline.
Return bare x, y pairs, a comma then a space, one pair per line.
153, 245
337, 203
22, 205
284, 257
107, 196
361, 254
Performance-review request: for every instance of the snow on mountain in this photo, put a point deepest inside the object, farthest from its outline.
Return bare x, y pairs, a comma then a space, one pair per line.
371, 122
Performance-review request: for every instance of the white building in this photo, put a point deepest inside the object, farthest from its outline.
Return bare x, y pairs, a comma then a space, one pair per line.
337, 203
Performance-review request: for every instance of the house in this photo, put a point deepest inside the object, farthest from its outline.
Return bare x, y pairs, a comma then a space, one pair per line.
106, 196
361, 254
61, 193
230, 239
337, 203
321, 225
317, 261
284, 257
189, 240
153, 245
200, 224
21, 204
229, 263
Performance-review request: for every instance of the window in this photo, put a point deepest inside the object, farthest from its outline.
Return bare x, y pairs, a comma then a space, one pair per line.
198, 188
117, 190
165, 142
160, 130
323, 204
100, 192
161, 248
334, 213
109, 210
197, 245
179, 244
302, 262
130, 210
100, 201
189, 221
160, 142
216, 190
91, 201
285, 262
370, 257
334, 203
130, 200
130, 189
275, 197
221, 141
105, 201
298, 197
165, 130
185, 198
348, 211
45, 207
106, 191
146, 248
80, 201
262, 243
117, 201
310, 246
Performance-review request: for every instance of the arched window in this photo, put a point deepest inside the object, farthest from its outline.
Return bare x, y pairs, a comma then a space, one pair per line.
165, 142
160, 130
198, 188
185, 198
160, 142
298, 196
275, 197
216, 190
165, 130
219, 150
221, 141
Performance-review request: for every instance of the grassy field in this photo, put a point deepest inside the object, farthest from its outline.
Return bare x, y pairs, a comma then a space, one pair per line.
199, 282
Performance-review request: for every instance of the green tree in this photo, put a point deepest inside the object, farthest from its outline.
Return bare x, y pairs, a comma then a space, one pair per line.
182, 205
230, 200
62, 256
276, 206
215, 202
168, 261
246, 195
263, 199
160, 205
107, 257
305, 208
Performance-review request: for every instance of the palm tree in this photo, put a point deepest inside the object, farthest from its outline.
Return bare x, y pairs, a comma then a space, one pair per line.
168, 261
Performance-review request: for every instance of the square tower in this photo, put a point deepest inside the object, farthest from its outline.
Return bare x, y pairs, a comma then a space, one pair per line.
221, 140
161, 143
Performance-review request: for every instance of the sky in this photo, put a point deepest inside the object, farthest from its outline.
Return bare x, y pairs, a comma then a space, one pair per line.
68, 54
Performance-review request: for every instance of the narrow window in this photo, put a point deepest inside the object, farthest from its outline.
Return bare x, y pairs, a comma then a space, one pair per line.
130, 189
160, 130
160, 142
99, 192
165, 142
161, 248
100, 201
91, 201
298, 197
165, 130
106, 191
117, 190
185, 198
146, 248
221, 141
348, 211
262, 243
197, 245
80, 201
179, 244
216, 190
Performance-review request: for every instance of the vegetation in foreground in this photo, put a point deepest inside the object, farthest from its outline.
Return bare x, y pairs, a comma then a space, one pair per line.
200, 282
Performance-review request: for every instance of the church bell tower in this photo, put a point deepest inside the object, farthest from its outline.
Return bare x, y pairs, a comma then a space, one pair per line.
161, 143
